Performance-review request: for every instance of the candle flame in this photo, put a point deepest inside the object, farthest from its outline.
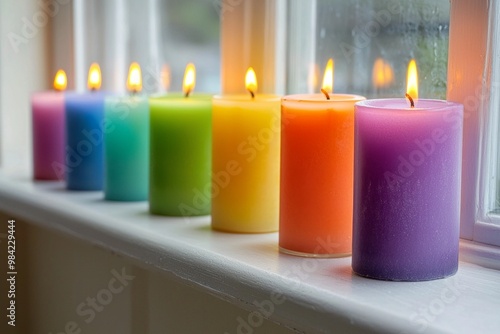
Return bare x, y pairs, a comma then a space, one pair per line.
328, 77
312, 77
382, 74
189, 79
251, 81
412, 80
165, 76
60, 81
94, 81
134, 81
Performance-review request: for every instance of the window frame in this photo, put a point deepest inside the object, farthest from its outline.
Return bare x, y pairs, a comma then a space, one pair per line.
470, 73
486, 227
481, 122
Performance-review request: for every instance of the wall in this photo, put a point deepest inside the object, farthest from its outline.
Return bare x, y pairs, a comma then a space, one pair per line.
59, 278
35, 42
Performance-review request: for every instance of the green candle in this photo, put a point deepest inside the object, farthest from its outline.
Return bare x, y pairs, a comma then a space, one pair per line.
180, 156
126, 143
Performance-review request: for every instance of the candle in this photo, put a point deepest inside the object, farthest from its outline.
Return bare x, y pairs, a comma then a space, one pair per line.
126, 143
245, 161
48, 131
84, 136
407, 187
180, 158
317, 154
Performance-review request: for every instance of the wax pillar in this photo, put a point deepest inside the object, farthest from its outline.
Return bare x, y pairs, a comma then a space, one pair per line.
407, 189
317, 155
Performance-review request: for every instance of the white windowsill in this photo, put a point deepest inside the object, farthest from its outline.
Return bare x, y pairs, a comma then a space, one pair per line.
322, 295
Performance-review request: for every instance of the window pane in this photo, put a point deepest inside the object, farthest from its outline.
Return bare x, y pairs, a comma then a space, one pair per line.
162, 35
190, 33
362, 34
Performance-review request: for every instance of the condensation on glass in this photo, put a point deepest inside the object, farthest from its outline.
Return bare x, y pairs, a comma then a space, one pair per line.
371, 43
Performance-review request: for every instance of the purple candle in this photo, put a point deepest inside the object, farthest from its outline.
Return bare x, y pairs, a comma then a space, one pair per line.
48, 131
407, 189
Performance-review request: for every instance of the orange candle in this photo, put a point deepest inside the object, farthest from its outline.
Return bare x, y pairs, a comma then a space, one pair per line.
317, 158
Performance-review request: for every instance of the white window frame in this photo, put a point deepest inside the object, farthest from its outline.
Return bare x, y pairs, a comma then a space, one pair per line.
487, 225
473, 70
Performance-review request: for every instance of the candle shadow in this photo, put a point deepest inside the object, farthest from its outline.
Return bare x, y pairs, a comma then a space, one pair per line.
144, 213
344, 271
268, 247
204, 228
25, 178
195, 221
102, 200
56, 186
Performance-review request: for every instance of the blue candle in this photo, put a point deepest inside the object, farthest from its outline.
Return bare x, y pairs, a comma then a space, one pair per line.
84, 136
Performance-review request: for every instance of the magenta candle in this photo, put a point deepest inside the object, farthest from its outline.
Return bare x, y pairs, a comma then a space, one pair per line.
48, 132
406, 189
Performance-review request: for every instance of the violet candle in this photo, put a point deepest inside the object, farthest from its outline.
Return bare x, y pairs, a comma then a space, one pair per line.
406, 189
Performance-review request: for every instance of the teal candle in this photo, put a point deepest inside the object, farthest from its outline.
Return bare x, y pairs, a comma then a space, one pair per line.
126, 148
180, 155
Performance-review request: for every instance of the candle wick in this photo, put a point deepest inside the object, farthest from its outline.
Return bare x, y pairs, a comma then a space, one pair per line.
187, 93
252, 93
412, 104
326, 93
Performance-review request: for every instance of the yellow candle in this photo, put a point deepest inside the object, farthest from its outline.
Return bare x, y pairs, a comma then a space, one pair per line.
245, 162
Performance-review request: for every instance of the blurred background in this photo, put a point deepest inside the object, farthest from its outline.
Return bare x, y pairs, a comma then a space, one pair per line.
288, 42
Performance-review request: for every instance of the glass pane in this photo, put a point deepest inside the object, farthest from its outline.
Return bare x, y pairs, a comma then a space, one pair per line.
190, 33
490, 200
163, 36
363, 35
495, 143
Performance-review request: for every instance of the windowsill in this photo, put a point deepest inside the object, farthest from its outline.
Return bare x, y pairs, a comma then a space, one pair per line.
321, 294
